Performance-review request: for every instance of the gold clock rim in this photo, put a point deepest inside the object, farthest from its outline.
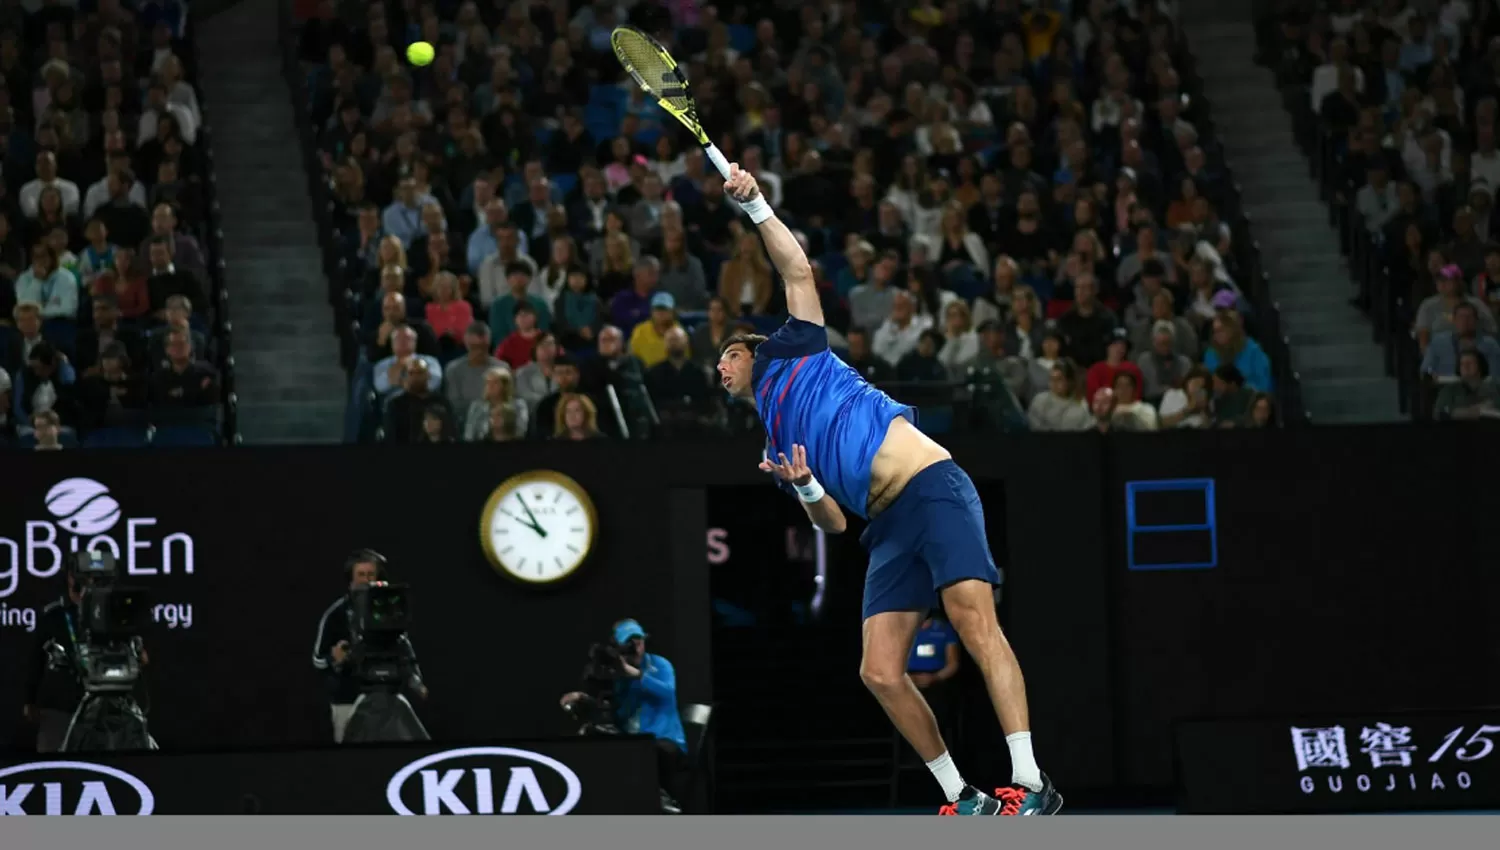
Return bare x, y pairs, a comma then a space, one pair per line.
487, 519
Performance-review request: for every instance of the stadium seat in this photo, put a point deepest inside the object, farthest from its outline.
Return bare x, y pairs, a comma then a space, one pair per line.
117, 437
174, 436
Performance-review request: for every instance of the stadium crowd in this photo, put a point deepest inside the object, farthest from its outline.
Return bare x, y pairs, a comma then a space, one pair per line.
1406, 95
107, 327
1017, 217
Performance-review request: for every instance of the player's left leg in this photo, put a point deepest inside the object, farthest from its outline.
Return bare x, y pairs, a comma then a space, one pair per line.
957, 551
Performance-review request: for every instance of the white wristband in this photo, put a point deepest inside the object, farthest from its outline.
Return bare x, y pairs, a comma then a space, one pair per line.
757, 209
811, 492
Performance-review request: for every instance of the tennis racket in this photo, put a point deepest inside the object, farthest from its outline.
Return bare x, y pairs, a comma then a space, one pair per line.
656, 72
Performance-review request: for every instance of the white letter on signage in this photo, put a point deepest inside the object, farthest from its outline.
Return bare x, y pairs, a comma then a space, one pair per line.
95, 798
10, 801
187, 553
133, 543
437, 793
484, 792
10, 571
35, 543
523, 781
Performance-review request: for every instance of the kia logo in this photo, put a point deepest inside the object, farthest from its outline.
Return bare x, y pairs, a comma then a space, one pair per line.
486, 781
56, 785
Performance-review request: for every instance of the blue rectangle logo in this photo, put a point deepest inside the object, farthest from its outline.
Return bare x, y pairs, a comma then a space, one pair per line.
1171, 525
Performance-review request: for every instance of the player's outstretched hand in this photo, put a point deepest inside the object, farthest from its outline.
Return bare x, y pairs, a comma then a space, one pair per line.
794, 471
741, 184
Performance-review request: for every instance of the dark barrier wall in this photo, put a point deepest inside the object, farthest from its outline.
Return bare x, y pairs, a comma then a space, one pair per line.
266, 532
1350, 573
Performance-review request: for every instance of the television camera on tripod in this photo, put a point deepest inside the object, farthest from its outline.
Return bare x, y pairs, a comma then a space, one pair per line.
109, 655
383, 661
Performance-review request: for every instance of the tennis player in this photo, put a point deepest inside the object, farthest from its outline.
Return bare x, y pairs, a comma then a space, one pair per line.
926, 535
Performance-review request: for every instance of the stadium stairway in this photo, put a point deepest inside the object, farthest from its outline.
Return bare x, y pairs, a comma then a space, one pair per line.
1343, 370
287, 375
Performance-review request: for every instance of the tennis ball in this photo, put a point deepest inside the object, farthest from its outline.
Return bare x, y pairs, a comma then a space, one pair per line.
419, 53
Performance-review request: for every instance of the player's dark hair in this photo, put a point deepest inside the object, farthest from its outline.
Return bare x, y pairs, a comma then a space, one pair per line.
750, 341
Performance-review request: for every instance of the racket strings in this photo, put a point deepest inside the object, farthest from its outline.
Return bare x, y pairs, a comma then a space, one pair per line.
653, 72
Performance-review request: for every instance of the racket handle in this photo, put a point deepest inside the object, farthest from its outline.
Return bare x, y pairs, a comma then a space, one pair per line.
717, 158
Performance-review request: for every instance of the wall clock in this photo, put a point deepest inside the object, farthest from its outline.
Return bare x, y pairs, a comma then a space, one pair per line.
538, 527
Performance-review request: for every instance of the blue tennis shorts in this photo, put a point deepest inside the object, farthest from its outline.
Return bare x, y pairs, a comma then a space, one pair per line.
930, 537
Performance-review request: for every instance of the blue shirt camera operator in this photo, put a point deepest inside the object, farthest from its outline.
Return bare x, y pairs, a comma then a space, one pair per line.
645, 702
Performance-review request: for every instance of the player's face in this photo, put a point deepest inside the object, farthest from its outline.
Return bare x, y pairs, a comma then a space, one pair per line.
734, 371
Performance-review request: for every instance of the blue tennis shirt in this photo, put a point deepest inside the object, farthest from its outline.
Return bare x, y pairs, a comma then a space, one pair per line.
806, 395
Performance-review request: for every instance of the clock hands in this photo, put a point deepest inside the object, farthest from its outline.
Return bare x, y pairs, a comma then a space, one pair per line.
535, 526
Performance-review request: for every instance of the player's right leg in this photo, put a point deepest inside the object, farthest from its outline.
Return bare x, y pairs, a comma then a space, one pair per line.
898, 594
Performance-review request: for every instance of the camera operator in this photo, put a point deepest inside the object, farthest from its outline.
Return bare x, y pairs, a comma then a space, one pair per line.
331, 650
54, 678
642, 700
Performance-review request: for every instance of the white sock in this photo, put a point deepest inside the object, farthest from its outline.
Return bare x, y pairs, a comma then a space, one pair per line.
947, 776
1023, 769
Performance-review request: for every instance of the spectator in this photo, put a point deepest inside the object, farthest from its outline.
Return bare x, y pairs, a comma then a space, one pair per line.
679, 388
504, 309
745, 280
1231, 399
566, 375
536, 380
613, 260
1262, 412
1163, 309
1188, 405
47, 178
1048, 354
185, 252
996, 304
28, 319
1473, 395
1230, 345
1441, 359
47, 427
464, 378
391, 372
899, 333
869, 302
394, 314
682, 273
1128, 405
629, 307
1103, 410
106, 331
577, 419
1025, 329
53, 288
437, 427
185, 383
499, 394
1116, 360
515, 350
1060, 407
1435, 314
1161, 366
98, 256
112, 395
613, 365
552, 279
921, 365
708, 336
1377, 201
862, 358
645, 214
449, 317
501, 426
577, 311
403, 218
1088, 326
405, 412
179, 315
648, 341
961, 346
165, 280
47, 383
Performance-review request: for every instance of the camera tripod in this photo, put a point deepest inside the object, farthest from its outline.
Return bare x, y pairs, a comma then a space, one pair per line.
383, 715
107, 722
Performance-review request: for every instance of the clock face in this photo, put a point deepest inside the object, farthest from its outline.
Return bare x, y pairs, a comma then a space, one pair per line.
538, 527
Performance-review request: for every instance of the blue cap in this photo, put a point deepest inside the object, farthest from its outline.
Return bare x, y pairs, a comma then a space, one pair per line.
663, 301
628, 629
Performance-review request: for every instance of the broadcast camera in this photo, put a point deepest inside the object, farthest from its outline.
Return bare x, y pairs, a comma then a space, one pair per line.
113, 619
378, 620
595, 711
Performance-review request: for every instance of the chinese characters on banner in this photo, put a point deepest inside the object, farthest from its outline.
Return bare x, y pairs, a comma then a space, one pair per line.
1325, 750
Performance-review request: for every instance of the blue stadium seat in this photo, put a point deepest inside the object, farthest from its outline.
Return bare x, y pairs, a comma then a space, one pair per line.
543, 135
565, 183
171, 436
117, 437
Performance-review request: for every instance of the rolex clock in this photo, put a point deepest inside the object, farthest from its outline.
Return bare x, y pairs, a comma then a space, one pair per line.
538, 527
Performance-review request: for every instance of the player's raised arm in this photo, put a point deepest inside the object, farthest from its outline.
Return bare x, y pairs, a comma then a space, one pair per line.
801, 293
